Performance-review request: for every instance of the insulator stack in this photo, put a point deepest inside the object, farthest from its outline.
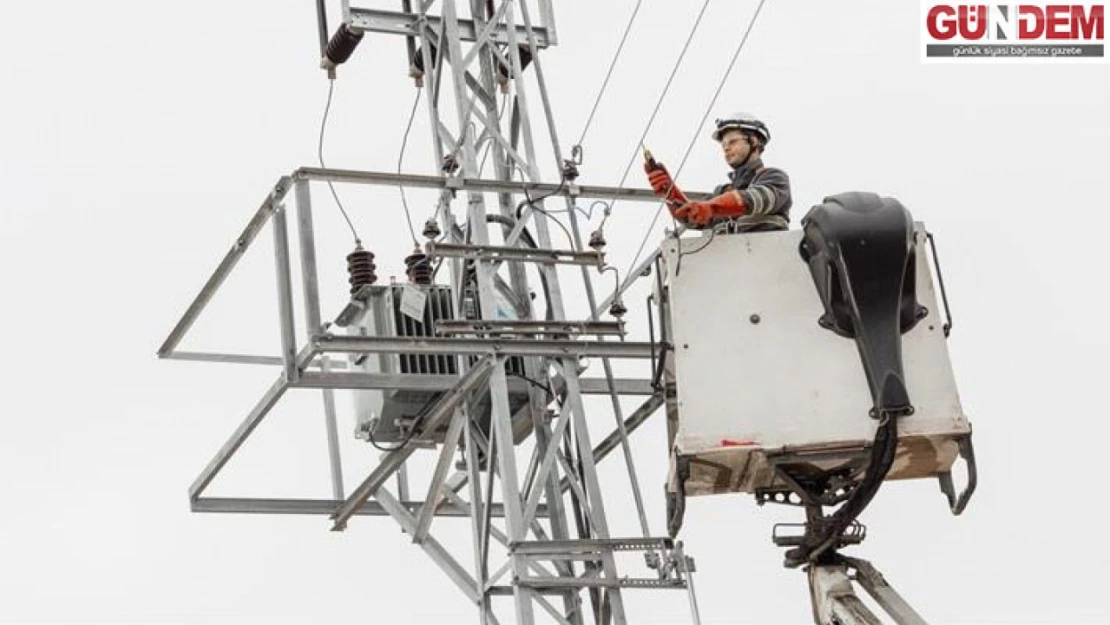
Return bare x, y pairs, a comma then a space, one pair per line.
419, 268
360, 267
617, 309
342, 45
417, 70
450, 164
570, 170
505, 71
597, 240
431, 229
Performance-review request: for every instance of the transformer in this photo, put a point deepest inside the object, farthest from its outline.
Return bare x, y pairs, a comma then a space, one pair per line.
389, 416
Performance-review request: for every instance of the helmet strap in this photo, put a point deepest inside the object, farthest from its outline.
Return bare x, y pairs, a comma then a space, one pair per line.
751, 148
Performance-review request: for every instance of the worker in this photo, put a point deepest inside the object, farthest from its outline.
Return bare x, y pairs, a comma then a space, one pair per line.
757, 198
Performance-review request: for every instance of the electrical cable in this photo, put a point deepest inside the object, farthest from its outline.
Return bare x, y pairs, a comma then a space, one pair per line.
532, 203
420, 416
609, 74
543, 387
320, 156
697, 131
558, 222
678, 264
401, 158
651, 122
617, 279
828, 529
663, 95
589, 214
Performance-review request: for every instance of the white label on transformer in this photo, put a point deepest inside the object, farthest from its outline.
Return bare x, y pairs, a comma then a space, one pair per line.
412, 302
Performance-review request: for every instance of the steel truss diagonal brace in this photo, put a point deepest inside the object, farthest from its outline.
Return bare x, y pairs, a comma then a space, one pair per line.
231, 259
436, 416
261, 409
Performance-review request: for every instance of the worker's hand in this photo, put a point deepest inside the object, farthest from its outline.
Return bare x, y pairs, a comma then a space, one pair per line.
695, 213
700, 213
663, 185
728, 204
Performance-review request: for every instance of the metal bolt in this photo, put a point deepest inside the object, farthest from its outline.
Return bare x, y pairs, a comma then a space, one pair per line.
754, 318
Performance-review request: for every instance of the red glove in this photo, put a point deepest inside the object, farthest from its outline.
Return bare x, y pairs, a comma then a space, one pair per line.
663, 185
730, 204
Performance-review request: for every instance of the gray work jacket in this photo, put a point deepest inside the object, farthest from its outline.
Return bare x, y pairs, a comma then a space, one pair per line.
766, 193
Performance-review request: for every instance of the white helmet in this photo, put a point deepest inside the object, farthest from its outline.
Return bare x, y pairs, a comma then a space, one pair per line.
745, 122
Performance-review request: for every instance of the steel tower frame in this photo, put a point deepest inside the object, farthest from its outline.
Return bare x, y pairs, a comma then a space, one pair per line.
491, 49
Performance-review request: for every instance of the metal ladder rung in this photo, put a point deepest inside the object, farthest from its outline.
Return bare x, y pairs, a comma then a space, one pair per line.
555, 547
553, 583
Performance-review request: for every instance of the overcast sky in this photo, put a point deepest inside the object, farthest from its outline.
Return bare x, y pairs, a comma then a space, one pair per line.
137, 138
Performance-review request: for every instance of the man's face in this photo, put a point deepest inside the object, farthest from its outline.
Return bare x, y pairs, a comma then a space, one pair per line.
736, 147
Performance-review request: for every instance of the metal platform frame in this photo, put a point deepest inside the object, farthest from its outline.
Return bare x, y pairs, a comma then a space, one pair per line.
561, 559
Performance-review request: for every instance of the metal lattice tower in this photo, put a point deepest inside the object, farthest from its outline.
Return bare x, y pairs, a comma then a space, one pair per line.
494, 46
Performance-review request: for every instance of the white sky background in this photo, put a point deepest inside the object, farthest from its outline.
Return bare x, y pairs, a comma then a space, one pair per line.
137, 138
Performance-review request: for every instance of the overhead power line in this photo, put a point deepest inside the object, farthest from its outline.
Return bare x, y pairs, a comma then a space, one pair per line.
698, 128
609, 74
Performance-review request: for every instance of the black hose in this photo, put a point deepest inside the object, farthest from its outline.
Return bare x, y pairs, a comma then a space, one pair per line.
829, 529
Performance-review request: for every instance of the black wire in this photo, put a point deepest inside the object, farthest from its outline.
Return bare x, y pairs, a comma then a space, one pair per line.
697, 131
420, 415
570, 239
678, 265
400, 159
320, 156
544, 387
532, 203
829, 528
609, 74
589, 214
663, 95
376, 445
616, 279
